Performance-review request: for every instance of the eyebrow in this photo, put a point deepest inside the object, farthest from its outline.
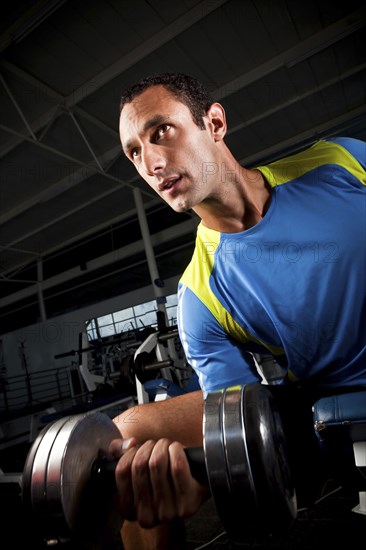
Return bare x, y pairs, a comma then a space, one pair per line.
155, 120
152, 122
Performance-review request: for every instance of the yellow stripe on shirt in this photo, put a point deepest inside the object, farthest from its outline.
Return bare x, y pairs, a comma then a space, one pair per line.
322, 152
197, 278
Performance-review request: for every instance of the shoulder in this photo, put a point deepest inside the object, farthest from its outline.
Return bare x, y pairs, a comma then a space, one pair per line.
345, 153
193, 314
353, 146
200, 267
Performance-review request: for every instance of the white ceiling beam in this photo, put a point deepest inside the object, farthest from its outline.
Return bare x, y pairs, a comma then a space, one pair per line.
65, 184
21, 250
164, 236
169, 32
78, 176
58, 219
10, 273
17, 107
102, 227
305, 49
297, 98
49, 116
61, 186
28, 22
86, 141
297, 142
88, 170
302, 51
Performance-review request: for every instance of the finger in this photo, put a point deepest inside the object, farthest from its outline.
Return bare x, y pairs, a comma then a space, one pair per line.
180, 470
119, 446
141, 485
189, 493
161, 482
123, 476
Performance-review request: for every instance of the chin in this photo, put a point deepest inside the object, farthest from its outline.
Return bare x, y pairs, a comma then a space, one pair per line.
180, 206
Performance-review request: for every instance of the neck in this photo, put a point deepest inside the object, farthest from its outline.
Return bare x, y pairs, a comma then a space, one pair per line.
239, 205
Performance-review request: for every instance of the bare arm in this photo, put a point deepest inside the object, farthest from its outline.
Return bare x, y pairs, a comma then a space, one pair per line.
153, 478
178, 419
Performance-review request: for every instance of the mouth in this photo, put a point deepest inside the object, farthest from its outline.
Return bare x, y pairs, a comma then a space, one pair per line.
169, 183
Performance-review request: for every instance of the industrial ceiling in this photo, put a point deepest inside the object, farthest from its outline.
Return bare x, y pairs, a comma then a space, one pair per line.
287, 72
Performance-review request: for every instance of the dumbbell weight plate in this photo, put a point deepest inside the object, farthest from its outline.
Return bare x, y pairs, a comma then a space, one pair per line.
241, 512
58, 480
247, 463
244, 459
215, 459
28, 469
36, 469
268, 452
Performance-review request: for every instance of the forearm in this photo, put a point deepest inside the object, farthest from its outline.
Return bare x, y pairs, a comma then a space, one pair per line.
178, 419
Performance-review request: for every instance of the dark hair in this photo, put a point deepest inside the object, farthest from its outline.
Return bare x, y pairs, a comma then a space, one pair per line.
185, 88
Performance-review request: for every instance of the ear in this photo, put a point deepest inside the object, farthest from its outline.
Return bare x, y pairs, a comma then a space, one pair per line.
216, 119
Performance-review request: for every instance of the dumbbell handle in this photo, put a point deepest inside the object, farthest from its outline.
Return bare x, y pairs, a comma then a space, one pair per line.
197, 464
103, 470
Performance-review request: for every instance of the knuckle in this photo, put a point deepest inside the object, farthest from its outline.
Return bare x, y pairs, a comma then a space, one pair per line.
141, 459
165, 516
178, 463
139, 466
122, 468
146, 518
159, 457
155, 465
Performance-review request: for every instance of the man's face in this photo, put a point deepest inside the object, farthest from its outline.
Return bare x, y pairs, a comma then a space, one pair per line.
170, 152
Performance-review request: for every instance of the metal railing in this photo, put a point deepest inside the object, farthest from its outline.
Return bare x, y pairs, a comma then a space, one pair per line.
40, 387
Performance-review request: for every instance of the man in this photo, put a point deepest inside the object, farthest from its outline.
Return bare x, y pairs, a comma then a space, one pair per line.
279, 268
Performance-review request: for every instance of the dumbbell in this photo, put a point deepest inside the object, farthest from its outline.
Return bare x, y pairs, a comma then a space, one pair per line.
68, 483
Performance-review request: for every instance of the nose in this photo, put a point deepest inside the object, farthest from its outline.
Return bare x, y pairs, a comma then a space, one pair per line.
152, 159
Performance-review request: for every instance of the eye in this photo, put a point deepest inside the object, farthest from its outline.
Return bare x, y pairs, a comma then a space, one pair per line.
134, 153
162, 130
